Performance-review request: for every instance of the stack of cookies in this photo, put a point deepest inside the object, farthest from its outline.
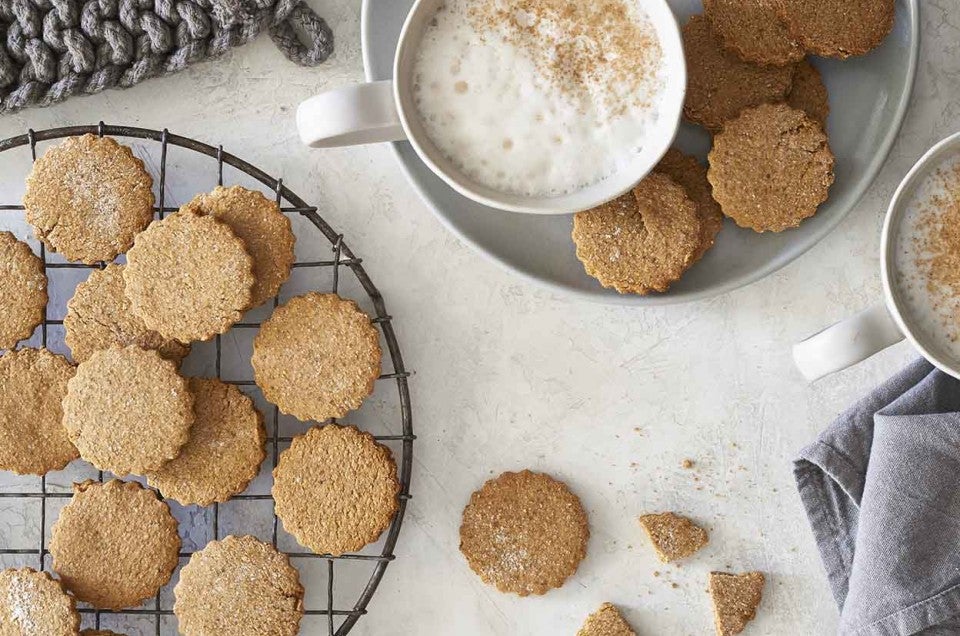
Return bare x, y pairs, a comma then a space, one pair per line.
752, 86
123, 405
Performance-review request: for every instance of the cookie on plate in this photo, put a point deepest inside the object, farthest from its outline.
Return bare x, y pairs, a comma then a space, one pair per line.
238, 587
673, 536
99, 316
317, 357
87, 197
224, 451
114, 544
838, 28
689, 173
189, 277
127, 410
809, 93
264, 229
736, 598
642, 241
606, 621
23, 291
33, 383
771, 168
335, 489
524, 533
34, 603
753, 30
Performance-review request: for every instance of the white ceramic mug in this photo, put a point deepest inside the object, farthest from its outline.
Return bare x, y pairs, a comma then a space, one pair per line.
879, 327
385, 111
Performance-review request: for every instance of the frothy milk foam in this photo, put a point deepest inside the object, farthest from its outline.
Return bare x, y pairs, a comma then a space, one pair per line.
527, 97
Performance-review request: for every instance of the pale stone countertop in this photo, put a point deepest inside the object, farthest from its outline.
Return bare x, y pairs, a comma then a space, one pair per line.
611, 399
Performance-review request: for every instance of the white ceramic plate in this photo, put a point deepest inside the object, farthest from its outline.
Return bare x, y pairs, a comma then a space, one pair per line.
868, 98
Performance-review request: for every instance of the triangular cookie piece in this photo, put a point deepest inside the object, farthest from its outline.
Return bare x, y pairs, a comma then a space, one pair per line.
606, 621
673, 536
735, 600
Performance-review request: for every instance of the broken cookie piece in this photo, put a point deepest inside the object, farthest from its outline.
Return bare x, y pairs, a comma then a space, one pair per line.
735, 600
673, 536
606, 621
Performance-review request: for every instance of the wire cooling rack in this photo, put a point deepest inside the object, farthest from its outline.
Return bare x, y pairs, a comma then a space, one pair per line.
342, 258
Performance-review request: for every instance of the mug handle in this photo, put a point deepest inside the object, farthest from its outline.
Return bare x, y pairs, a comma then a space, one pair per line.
846, 343
350, 116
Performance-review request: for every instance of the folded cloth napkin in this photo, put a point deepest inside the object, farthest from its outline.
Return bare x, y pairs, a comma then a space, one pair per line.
881, 488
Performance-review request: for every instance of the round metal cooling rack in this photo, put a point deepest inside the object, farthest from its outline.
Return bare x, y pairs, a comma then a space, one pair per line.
343, 257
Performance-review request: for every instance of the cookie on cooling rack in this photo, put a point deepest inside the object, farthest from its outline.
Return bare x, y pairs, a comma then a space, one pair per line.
87, 197
189, 277
34, 603
606, 621
317, 357
524, 533
838, 28
753, 30
264, 229
736, 598
23, 291
673, 536
687, 172
114, 544
335, 489
33, 383
809, 93
225, 449
127, 410
237, 587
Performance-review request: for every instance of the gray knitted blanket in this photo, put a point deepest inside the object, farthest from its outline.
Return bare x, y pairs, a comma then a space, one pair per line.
53, 49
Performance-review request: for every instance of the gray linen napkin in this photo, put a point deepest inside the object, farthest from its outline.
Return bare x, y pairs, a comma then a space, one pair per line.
881, 487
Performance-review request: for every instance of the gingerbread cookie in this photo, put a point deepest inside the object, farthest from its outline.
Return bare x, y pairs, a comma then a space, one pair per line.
32, 385
317, 357
188, 277
264, 229
335, 489
689, 173
719, 84
127, 410
809, 93
524, 532
771, 168
23, 291
606, 621
753, 30
736, 598
642, 241
115, 544
88, 197
99, 316
33, 604
673, 536
838, 28
239, 586
224, 451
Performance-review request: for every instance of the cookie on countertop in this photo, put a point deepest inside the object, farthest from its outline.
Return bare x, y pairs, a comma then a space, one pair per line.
114, 544
771, 168
99, 316
719, 84
33, 383
238, 587
225, 449
642, 241
809, 93
606, 621
754, 31
23, 291
524, 533
264, 229
838, 28
127, 410
34, 603
189, 277
736, 598
317, 357
87, 197
673, 536
335, 489
689, 173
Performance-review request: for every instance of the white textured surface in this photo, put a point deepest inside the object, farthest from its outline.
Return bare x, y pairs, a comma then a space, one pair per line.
610, 399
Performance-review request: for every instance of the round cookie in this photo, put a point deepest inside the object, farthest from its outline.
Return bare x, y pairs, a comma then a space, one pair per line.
23, 291
771, 168
115, 544
188, 277
642, 241
127, 410
753, 30
224, 451
838, 28
317, 357
88, 197
524, 533
689, 173
335, 489
99, 316
809, 93
719, 84
264, 229
33, 440
239, 586
32, 602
